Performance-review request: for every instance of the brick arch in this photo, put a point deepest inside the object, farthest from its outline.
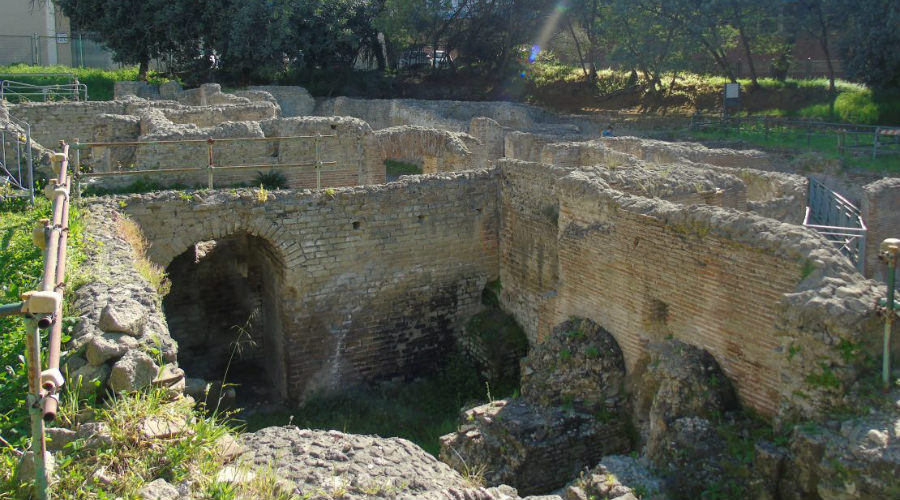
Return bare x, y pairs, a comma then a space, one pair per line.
216, 226
226, 293
432, 149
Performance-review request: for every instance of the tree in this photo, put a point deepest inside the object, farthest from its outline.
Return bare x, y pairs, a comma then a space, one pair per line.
870, 42
136, 31
820, 19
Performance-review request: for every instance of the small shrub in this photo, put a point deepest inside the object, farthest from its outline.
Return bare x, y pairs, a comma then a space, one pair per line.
394, 168
816, 112
856, 107
272, 179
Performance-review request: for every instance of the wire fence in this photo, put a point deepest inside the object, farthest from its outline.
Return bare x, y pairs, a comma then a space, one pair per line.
16, 91
78, 50
844, 138
16, 160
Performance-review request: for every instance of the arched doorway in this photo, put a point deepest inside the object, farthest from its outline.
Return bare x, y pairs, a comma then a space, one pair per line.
224, 310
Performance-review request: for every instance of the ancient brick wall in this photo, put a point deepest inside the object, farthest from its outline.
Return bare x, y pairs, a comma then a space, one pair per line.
294, 101
53, 121
742, 287
770, 194
376, 281
432, 149
347, 143
208, 116
880, 210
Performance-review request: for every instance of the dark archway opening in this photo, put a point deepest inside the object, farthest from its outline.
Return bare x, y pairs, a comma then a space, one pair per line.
224, 310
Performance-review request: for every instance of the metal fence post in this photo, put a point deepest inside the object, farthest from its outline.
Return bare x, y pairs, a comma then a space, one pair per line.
38, 443
318, 161
76, 173
30, 163
875, 144
209, 166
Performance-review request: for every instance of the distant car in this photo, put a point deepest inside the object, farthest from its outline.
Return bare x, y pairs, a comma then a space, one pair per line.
414, 59
441, 59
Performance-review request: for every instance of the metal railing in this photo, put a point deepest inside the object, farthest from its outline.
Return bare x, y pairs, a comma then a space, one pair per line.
318, 164
845, 136
16, 160
17, 91
42, 309
838, 220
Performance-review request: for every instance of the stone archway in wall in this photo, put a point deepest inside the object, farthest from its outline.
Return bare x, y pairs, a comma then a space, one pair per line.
224, 310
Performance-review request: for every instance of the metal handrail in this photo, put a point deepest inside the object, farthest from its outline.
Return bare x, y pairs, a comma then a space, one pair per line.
87, 145
318, 163
77, 91
838, 220
43, 309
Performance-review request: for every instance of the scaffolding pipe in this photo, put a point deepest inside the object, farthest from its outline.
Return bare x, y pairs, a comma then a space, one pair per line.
55, 282
85, 145
38, 443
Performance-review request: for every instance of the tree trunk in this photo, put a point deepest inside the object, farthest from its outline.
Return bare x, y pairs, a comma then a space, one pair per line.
827, 52
144, 68
577, 47
754, 81
720, 60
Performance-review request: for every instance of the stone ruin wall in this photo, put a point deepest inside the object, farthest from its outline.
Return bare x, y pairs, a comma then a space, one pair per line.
355, 151
728, 282
770, 194
539, 255
432, 150
880, 209
376, 280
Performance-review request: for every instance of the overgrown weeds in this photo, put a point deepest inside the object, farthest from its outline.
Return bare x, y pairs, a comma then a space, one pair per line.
421, 410
152, 272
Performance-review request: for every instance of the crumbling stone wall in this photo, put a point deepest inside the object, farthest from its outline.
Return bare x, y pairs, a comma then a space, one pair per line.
743, 287
770, 194
447, 115
377, 281
880, 210
55, 121
294, 101
348, 143
121, 338
431, 149
667, 152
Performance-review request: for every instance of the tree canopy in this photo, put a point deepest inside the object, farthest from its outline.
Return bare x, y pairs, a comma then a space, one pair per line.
260, 40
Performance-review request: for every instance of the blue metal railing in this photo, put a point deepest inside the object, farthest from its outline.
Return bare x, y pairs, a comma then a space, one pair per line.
838, 220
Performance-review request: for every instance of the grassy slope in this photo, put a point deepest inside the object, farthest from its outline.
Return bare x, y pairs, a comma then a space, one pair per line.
99, 82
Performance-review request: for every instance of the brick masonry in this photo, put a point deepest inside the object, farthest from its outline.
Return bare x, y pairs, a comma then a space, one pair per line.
880, 210
376, 281
740, 286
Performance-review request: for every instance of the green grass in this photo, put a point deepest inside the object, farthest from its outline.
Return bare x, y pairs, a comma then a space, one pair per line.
21, 266
420, 411
100, 82
853, 156
394, 169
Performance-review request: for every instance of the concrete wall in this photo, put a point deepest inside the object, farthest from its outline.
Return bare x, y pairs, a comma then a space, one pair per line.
376, 281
